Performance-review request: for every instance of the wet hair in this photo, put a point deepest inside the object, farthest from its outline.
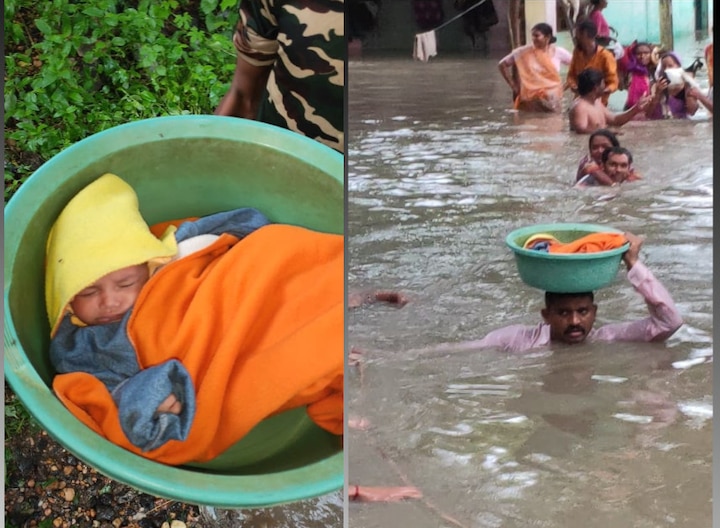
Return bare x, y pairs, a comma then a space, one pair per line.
554, 297
605, 133
595, 2
545, 29
588, 27
617, 150
588, 80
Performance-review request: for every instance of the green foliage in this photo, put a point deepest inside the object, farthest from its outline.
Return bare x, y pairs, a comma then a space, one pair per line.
74, 68
17, 418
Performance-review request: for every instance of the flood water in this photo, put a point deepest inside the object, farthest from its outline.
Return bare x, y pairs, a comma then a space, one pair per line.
595, 435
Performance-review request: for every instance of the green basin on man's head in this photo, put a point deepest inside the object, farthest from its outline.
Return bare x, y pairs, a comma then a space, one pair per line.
565, 272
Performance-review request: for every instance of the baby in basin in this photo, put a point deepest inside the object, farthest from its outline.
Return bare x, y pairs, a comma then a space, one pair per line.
117, 296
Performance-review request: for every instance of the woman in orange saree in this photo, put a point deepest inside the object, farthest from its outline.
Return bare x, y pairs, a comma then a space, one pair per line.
533, 72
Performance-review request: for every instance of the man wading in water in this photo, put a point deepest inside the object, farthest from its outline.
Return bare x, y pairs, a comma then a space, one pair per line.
568, 318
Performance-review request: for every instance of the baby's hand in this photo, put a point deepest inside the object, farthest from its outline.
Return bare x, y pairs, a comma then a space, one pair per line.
170, 405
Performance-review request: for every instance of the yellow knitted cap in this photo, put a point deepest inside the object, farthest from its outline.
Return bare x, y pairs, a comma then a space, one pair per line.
99, 231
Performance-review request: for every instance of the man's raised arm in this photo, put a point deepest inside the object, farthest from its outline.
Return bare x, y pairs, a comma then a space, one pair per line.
664, 319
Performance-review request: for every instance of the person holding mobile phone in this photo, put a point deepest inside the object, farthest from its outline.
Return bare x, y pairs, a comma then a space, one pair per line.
672, 95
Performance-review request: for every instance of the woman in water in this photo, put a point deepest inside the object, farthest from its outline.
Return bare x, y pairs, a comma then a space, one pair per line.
672, 97
603, 28
638, 65
590, 169
537, 87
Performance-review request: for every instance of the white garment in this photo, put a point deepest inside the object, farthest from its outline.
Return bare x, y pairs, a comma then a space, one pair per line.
193, 244
425, 46
677, 77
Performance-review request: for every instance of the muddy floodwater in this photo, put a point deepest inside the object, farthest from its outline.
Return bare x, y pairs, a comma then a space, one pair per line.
596, 435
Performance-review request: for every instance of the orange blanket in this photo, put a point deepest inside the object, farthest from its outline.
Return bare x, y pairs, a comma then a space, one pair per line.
590, 243
258, 324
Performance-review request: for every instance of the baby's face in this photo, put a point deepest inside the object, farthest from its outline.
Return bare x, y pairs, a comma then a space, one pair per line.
107, 300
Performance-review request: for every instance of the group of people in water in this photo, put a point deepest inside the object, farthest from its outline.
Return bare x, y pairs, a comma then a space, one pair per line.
658, 88
655, 90
657, 85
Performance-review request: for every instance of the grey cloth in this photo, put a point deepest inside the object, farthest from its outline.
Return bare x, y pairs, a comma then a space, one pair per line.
139, 397
238, 222
105, 352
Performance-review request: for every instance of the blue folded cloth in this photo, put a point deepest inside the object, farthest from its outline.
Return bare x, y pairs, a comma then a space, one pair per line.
540, 245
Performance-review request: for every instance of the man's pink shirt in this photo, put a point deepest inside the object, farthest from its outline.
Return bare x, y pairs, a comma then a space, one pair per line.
663, 321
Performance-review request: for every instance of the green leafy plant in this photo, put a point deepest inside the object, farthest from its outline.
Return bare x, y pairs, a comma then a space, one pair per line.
74, 68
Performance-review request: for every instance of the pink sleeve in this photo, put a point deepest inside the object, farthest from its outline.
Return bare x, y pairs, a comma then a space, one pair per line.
664, 318
603, 28
516, 338
563, 55
508, 59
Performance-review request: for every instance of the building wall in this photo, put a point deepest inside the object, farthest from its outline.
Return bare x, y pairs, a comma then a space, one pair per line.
633, 19
537, 11
640, 19
396, 30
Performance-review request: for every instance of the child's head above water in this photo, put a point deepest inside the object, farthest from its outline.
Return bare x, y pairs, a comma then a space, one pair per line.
109, 298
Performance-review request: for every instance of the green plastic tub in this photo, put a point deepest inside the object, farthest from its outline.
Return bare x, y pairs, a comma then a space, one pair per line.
565, 273
180, 166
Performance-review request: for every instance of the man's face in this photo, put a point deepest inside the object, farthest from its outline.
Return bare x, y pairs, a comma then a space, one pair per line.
570, 319
617, 167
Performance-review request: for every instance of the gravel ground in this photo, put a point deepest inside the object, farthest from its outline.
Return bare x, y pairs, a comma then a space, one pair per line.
46, 486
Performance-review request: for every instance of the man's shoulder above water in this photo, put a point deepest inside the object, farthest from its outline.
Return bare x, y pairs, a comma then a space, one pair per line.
517, 338
663, 321
586, 116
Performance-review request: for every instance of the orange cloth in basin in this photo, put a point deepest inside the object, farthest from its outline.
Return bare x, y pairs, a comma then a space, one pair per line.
590, 243
259, 324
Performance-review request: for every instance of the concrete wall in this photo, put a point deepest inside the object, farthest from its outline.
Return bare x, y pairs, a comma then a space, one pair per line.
633, 19
640, 19
397, 29
537, 11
